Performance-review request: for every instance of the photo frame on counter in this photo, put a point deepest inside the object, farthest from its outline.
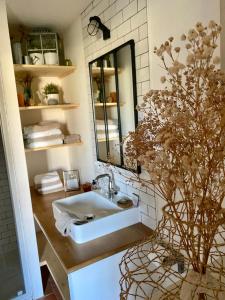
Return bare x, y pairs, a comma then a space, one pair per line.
71, 180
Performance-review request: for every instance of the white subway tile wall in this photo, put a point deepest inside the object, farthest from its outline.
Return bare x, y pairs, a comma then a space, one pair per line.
7, 227
127, 19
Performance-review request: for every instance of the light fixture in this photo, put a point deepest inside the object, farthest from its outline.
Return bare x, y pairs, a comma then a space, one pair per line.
94, 25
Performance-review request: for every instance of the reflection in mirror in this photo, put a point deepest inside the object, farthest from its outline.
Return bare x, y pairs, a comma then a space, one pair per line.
126, 93
113, 84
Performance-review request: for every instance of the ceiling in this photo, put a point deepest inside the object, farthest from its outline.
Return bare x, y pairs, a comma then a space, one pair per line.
57, 14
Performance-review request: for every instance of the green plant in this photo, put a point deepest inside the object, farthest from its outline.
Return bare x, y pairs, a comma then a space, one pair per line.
51, 88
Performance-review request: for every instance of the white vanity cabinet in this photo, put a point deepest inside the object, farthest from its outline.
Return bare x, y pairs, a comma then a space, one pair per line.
98, 281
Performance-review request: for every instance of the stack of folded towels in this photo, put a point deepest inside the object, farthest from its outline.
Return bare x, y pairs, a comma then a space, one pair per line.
48, 183
43, 134
112, 128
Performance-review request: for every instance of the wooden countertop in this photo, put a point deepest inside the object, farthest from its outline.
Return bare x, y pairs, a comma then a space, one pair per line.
75, 256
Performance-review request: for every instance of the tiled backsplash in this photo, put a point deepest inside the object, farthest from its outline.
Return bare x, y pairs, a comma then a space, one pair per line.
127, 20
7, 227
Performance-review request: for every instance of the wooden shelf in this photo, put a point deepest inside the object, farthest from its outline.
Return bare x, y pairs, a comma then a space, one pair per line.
107, 71
58, 106
52, 147
44, 70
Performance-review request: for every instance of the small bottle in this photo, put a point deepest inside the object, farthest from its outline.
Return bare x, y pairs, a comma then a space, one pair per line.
94, 185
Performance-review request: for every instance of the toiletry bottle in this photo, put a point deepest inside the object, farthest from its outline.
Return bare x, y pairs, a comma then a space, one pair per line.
94, 185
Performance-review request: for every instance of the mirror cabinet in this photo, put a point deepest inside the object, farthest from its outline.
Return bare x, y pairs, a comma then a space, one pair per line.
114, 100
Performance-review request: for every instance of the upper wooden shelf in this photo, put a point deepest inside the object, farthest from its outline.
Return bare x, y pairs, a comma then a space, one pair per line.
58, 106
107, 71
44, 70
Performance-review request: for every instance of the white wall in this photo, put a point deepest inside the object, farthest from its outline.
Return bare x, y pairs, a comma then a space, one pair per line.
173, 18
127, 20
12, 137
75, 89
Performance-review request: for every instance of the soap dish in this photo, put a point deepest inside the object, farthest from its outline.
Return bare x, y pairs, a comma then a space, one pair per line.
125, 203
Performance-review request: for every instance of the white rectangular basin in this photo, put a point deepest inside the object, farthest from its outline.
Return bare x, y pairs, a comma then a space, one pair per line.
109, 217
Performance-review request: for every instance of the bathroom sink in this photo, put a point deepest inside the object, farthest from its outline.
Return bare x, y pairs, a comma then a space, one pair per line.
102, 215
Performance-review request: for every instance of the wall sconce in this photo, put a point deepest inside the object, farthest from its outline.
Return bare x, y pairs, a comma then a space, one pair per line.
94, 25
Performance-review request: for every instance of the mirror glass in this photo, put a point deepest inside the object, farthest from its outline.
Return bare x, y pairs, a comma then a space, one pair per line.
114, 98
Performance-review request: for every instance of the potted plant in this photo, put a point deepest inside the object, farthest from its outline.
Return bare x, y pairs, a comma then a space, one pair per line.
51, 92
181, 144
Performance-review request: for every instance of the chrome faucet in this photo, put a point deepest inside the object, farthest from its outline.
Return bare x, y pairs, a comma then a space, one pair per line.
112, 188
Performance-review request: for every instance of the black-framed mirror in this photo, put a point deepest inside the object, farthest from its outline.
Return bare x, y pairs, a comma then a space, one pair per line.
114, 100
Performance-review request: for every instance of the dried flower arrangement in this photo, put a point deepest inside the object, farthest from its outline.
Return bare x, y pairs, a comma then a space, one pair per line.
181, 143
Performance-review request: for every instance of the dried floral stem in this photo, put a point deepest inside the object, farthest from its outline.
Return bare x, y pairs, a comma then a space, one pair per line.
181, 144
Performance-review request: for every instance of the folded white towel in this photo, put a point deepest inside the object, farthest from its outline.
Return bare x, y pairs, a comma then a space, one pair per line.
113, 134
50, 188
43, 126
44, 139
102, 127
64, 223
110, 121
40, 134
44, 144
50, 191
45, 178
112, 124
48, 183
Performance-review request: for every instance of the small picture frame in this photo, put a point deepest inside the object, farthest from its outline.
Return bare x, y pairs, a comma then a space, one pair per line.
71, 180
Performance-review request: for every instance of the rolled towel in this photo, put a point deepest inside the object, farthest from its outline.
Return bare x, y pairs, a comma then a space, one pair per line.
41, 134
72, 138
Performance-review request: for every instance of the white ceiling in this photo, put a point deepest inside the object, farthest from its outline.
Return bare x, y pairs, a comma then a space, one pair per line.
57, 14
